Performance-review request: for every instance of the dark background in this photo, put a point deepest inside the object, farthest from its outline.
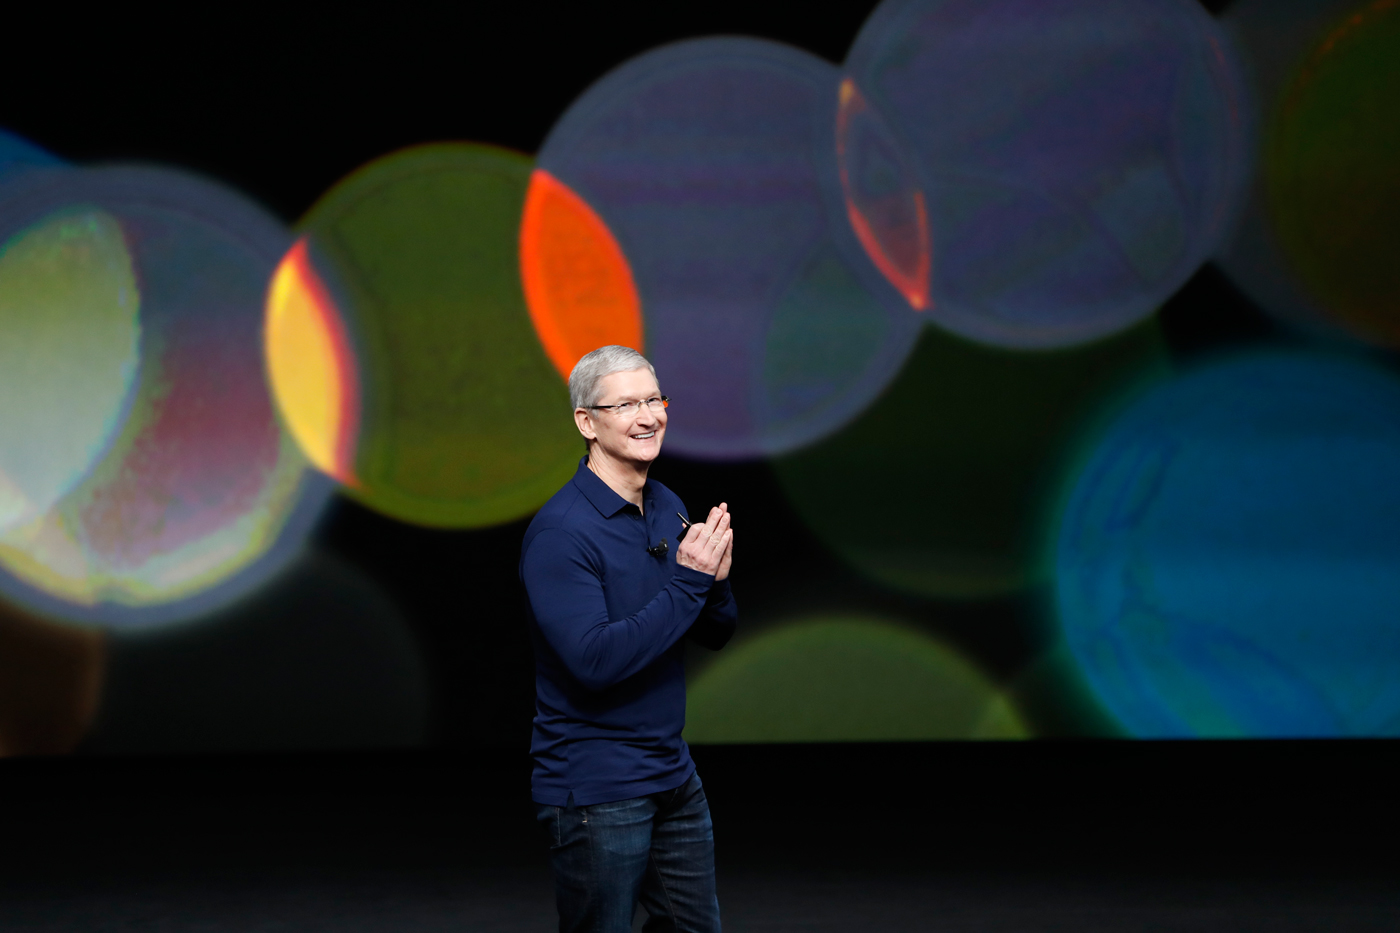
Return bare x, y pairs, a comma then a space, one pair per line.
281, 103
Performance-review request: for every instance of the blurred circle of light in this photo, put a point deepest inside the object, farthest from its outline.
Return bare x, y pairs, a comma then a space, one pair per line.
577, 281
400, 348
968, 435
17, 153
838, 678
713, 164
1319, 243
69, 317
1302, 56
883, 201
51, 675
1226, 560
311, 366
198, 495
1077, 159
320, 658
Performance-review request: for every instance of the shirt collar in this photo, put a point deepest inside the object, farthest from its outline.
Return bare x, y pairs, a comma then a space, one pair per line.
601, 494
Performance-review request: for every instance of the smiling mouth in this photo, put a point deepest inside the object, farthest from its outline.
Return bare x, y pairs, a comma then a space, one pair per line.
642, 437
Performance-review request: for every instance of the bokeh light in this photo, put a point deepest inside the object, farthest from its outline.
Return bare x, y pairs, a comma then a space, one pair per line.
1078, 159
1227, 559
50, 681
712, 162
883, 200
937, 490
17, 153
311, 366
577, 281
1330, 161
1313, 245
845, 679
400, 347
199, 494
319, 659
70, 315
68, 311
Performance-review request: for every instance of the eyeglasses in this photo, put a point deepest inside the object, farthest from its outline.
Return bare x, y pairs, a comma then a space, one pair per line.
655, 403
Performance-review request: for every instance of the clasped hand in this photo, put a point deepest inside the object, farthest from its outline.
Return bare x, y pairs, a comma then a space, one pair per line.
709, 547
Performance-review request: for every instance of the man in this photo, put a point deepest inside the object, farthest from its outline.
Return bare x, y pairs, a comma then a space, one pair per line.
615, 581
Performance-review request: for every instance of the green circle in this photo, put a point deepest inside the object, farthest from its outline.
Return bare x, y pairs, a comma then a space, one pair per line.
70, 315
845, 679
938, 488
464, 422
1330, 168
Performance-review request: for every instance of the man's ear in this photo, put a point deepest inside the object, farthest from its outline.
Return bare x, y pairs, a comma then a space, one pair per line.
585, 424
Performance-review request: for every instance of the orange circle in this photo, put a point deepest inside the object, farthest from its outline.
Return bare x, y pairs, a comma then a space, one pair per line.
578, 284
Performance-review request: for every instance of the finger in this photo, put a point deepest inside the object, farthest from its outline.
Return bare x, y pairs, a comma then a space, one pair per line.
714, 546
722, 530
712, 519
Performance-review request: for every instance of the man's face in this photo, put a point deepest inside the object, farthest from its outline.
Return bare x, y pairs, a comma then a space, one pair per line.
634, 438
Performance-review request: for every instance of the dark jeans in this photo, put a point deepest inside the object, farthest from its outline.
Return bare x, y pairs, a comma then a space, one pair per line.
658, 849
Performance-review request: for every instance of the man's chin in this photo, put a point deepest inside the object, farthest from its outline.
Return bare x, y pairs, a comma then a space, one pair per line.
644, 452
646, 455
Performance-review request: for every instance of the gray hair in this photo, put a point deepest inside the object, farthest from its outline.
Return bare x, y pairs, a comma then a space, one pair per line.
604, 361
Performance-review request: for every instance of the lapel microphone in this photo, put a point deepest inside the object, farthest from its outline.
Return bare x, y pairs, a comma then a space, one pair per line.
660, 549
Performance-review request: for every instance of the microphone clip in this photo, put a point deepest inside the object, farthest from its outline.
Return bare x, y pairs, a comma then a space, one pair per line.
658, 550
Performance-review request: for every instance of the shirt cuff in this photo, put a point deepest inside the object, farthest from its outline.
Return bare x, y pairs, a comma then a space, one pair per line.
690, 575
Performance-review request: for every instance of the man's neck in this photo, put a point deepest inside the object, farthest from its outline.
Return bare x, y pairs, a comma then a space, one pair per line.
625, 479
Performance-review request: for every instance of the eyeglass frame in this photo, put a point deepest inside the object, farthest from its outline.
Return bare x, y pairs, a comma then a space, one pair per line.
665, 401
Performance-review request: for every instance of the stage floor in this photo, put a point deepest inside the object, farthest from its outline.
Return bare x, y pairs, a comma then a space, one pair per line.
1255, 838
759, 900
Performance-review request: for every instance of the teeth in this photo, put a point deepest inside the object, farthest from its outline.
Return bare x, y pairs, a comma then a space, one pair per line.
642, 437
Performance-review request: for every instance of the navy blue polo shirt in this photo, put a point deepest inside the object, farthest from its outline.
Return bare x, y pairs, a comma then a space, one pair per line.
609, 622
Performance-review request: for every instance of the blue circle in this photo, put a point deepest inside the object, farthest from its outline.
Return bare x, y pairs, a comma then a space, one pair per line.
18, 153
1228, 561
713, 163
1079, 158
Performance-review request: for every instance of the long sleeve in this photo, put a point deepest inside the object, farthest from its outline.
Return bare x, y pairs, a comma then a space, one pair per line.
565, 590
718, 619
